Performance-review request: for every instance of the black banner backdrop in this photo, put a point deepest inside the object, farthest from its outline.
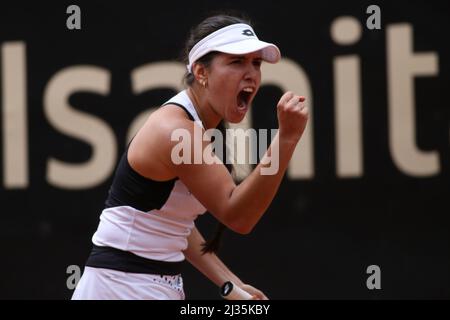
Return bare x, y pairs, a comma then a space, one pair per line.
369, 187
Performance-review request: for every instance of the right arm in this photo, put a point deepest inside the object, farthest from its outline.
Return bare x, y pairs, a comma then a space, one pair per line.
241, 206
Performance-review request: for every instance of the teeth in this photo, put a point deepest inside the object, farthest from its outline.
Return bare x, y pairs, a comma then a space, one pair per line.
250, 90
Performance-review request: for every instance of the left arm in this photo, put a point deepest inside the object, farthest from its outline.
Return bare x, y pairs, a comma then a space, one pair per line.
212, 267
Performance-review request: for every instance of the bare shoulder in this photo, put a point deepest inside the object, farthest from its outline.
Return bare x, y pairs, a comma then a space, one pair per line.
169, 118
149, 152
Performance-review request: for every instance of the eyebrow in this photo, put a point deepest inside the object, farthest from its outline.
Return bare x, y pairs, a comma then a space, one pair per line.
236, 57
242, 57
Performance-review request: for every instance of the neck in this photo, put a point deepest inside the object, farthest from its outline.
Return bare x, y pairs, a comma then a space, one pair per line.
206, 113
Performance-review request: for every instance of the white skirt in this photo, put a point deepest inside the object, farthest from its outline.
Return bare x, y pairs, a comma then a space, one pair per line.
107, 284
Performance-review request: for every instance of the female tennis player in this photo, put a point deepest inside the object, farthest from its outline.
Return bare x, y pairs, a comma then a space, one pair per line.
147, 228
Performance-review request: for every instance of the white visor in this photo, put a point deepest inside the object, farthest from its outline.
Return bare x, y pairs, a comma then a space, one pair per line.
234, 39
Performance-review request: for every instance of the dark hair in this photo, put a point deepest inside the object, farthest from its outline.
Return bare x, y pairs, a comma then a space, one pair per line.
204, 28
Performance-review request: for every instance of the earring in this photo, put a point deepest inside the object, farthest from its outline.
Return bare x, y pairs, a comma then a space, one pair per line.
204, 83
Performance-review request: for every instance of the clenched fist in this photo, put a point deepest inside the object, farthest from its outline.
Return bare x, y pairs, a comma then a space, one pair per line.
292, 117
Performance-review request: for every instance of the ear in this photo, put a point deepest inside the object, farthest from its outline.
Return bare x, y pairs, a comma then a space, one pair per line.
199, 72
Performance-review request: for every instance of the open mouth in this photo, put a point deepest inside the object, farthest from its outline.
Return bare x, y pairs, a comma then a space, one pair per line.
243, 99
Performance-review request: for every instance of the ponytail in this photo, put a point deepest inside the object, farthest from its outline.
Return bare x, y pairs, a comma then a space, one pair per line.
212, 245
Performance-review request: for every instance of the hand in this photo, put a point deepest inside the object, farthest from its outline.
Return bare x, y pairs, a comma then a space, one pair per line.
292, 117
256, 294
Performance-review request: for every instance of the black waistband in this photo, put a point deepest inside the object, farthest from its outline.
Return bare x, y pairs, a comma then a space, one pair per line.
111, 258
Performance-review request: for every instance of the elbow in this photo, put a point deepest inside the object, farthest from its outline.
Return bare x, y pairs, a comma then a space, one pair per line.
238, 220
241, 228
244, 231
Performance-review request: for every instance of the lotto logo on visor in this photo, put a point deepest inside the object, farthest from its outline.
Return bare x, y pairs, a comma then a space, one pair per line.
248, 32
233, 39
